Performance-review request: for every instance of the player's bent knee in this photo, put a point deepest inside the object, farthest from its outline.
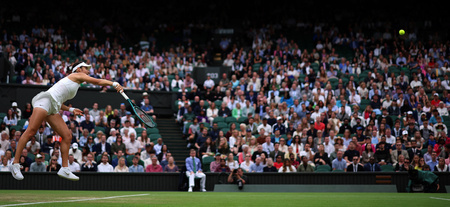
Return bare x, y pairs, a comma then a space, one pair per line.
67, 138
31, 131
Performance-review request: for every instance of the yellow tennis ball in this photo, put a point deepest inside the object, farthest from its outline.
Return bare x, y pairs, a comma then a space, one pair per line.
401, 32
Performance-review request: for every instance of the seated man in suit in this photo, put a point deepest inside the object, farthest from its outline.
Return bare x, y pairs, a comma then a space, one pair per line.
276, 151
355, 166
397, 152
194, 170
90, 164
102, 146
372, 166
414, 149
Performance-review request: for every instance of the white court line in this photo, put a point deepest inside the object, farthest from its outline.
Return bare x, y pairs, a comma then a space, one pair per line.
76, 200
445, 199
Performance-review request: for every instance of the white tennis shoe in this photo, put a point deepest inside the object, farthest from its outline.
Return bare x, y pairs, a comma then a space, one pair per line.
65, 172
15, 171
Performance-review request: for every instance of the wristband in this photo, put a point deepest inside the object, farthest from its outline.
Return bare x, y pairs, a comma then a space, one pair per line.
71, 109
115, 84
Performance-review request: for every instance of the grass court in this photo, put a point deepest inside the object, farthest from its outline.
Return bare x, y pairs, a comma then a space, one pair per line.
149, 198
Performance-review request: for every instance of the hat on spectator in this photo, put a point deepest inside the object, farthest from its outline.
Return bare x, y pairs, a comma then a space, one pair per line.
405, 132
436, 94
14, 104
359, 128
249, 130
386, 88
279, 118
410, 112
128, 113
74, 146
145, 94
218, 154
38, 156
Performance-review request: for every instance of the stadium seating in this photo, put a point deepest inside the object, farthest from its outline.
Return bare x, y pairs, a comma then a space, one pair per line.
322, 168
152, 131
154, 137
98, 128
230, 119
139, 131
219, 119
21, 122
241, 119
206, 163
387, 168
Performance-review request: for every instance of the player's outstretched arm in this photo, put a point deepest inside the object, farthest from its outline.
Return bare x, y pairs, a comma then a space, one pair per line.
81, 78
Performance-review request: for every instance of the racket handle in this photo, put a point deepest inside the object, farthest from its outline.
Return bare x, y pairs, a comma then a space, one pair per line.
124, 95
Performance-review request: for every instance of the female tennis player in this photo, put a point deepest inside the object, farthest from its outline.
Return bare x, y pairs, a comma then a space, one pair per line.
46, 107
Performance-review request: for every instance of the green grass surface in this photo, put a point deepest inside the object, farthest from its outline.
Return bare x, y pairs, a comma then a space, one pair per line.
69, 198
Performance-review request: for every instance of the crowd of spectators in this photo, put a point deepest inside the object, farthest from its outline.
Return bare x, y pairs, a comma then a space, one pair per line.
103, 140
381, 106
360, 96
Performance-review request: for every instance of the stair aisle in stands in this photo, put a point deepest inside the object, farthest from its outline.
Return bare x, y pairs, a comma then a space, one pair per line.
173, 138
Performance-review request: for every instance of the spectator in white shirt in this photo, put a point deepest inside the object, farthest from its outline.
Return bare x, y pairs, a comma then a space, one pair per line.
76, 153
268, 146
158, 146
354, 98
209, 83
133, 145
73, 166
104, 166
443, 111
247, 163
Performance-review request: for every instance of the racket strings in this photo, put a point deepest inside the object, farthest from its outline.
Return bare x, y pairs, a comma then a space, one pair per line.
144, 116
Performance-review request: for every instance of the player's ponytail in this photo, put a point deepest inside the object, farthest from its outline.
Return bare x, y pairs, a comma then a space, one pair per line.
69, 69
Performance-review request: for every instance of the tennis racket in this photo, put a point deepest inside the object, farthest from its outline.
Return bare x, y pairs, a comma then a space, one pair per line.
141, 115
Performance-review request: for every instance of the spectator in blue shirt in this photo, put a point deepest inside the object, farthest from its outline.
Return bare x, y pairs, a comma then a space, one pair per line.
257, 166
147, 107
433, 162
339, 163
136, 167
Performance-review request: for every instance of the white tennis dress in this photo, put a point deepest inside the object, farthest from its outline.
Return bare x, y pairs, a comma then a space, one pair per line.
52, 99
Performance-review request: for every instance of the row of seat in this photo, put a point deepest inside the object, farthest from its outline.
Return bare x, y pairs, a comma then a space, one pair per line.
319, 168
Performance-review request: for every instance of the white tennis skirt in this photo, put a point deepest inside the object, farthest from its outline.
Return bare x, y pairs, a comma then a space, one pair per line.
45, 101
